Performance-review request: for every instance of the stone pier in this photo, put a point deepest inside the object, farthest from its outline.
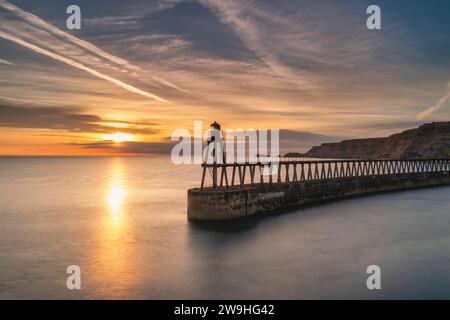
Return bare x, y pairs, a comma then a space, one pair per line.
237, 201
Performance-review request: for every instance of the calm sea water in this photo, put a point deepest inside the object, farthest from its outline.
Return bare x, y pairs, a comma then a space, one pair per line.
123, 221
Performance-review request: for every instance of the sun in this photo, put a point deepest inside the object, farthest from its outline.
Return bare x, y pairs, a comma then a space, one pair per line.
118, 137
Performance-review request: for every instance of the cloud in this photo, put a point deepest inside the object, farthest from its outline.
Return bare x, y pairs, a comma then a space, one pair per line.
132, 19
289, 135
304, 43
304, 65
81, 67
42, 24
290, 141
300, 141
2, 61
324, 49
428, 112
389, 126
36, 34
239, 15
65, 119
129, 147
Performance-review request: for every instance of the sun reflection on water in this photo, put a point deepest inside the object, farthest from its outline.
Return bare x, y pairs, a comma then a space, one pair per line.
115, 197
112, 257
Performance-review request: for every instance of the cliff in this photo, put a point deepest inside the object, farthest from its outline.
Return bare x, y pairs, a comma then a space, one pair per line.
431, 140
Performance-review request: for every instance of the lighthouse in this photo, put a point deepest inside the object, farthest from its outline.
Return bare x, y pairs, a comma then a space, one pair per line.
214, 130
214, 145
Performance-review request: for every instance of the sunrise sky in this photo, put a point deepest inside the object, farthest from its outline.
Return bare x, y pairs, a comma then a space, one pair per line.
137, 70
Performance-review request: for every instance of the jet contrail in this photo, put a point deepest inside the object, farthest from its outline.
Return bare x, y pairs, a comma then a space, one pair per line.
426, 113
80, 66
2, 61
44, 25
40, 23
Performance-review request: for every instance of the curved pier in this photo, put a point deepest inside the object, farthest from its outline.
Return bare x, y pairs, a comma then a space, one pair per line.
293, 184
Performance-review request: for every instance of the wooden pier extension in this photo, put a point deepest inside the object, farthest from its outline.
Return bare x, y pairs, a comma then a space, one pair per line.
239, 190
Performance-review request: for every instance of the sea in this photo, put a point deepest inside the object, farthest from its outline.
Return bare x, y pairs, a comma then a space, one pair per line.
123, 222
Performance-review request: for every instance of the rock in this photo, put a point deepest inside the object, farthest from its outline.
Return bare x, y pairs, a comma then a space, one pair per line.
431, 140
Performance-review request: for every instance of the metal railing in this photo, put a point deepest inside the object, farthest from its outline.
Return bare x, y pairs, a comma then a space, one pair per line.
283, 171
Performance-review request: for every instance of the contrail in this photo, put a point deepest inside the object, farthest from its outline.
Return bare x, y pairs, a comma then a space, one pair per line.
44, 25
2, 61
40, 23
426, 113
169, 84
80, 66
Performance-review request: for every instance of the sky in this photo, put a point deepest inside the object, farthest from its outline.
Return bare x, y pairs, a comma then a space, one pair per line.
146, 68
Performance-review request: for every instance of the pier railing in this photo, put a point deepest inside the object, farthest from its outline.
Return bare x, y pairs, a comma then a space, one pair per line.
240, 174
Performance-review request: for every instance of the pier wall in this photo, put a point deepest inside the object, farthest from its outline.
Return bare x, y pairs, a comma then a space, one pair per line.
236, 202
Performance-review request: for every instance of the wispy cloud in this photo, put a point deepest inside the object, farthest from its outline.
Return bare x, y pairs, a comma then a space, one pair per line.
40, 36
299, 41
241, 16
42, 24
81, 67
309, 66
118, 62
